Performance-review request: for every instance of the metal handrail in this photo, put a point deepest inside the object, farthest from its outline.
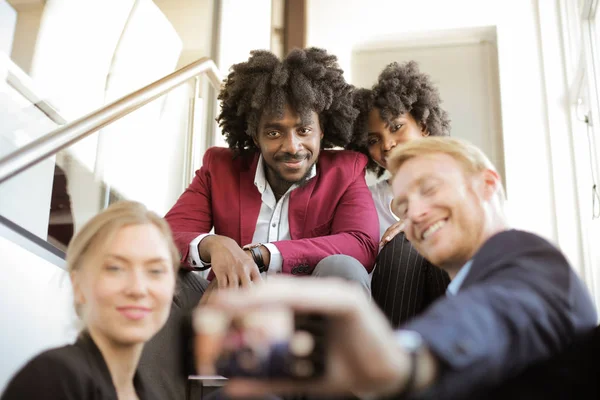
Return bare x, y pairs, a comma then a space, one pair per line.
64, 136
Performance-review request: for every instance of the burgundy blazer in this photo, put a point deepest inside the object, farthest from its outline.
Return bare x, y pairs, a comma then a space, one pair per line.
333, 213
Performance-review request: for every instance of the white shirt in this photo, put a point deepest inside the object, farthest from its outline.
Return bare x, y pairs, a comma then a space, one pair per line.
272, 224
382, 196
458, 280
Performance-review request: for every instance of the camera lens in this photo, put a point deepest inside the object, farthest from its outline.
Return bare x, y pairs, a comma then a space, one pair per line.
302, 344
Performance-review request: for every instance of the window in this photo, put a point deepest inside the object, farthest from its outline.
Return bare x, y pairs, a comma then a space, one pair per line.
581, 38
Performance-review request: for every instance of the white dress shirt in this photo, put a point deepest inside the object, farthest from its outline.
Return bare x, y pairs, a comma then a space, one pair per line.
272, 224
458, 280
382, 197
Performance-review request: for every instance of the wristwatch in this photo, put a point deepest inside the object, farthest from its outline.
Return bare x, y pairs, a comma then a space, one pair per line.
412, 343
257, 256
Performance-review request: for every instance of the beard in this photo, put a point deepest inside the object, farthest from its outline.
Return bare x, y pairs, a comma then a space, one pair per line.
282, 182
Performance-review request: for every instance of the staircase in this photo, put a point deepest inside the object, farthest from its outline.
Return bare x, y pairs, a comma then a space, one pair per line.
55, 175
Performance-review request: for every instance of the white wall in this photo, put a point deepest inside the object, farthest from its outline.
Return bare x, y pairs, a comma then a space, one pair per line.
25, 198
465, 75
8, 22
565, 157
244, 26
84, 63
26, 33
193, 20
529, 176
36, 308
74, 51
141, 156
72, 58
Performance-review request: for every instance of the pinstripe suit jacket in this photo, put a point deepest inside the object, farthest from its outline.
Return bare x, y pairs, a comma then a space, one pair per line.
404, 283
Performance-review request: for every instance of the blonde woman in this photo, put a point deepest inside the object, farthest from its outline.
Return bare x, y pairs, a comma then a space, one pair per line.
122, 266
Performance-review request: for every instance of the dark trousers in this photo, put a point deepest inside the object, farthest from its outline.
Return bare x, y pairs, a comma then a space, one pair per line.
404, 283
167, 360
220, 395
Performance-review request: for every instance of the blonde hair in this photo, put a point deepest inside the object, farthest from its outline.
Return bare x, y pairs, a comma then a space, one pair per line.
469, 156
98, 232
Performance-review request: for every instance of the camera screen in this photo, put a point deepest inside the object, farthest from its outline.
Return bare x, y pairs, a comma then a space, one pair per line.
273, 343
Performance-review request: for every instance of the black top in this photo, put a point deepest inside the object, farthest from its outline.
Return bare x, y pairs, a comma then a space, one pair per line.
76, 372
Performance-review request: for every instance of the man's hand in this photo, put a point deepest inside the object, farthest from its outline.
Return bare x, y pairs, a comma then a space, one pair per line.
232, 266
391, 232
363, 355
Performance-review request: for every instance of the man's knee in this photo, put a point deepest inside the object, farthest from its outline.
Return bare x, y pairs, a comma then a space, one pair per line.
344, 267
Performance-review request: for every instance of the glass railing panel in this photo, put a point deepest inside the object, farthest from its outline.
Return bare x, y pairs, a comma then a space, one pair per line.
144, 156
147, 154
25, 199
140, 157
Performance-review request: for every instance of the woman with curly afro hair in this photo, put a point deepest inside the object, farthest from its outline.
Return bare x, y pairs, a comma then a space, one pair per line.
403, 105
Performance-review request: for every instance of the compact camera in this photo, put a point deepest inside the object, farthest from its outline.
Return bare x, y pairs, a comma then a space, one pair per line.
275, 343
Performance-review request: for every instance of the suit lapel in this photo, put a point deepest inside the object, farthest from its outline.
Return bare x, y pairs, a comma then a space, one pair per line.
250, 202
495, 250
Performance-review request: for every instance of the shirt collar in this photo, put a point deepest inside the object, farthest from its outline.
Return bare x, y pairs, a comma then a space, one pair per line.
260, 179
458, 280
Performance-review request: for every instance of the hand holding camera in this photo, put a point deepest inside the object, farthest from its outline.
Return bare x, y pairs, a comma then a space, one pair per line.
272, 343
291, 335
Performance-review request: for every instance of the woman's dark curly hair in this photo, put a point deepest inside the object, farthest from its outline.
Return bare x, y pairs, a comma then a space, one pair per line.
400, 89
306, 79
363, 103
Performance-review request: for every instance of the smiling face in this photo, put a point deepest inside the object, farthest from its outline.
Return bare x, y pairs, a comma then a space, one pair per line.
125, 292
289, 146
443, 208
384, 137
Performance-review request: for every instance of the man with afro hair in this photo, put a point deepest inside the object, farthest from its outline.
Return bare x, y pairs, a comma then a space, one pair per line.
278, 201
402, 106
